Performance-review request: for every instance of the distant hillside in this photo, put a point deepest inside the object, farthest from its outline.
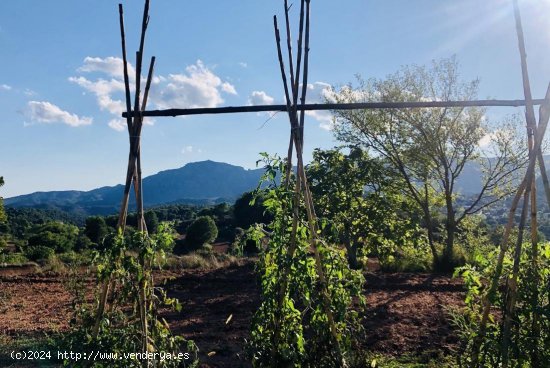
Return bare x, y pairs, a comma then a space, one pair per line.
205, 182
199, 183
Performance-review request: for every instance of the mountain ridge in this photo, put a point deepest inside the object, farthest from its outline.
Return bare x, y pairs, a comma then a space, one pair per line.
202, 182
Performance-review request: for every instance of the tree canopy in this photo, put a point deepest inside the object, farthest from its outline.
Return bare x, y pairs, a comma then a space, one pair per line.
356, 198
429, 148
202, 231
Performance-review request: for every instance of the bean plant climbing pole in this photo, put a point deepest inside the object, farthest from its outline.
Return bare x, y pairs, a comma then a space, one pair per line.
134, 123
527, 189
297, 142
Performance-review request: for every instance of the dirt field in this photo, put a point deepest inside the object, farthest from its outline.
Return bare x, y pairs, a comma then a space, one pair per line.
406, 312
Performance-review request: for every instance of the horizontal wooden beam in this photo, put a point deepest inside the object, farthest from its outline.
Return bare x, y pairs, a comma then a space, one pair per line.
334, 106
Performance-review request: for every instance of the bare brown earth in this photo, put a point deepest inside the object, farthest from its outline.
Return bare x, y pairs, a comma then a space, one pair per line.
406, 313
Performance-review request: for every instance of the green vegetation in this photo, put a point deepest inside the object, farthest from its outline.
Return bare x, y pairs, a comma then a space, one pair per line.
292, 329
202, 231
118, 326
429, 148
359, 205
39, 253
249, 210
533, 319
57, 236
96, 229
3, 219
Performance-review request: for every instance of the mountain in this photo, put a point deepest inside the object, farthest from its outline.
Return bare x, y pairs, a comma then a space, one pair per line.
203, 182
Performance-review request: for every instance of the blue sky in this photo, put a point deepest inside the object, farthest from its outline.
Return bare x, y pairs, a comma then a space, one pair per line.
60, 93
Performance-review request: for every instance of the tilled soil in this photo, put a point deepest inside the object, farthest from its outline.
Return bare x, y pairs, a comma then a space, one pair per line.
406, 313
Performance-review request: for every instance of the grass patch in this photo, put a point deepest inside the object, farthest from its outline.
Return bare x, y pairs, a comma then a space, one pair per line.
200, 260
41, 343
427, 360
14, 259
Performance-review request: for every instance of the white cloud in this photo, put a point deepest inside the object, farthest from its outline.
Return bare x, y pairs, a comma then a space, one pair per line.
109, 93
198, 87
325, 119
42, 112
112, 66
260, 98
29, 92
5, 87
187, 149
190, 150
103, 90
118, 124
243, 64
320, 92
229, 88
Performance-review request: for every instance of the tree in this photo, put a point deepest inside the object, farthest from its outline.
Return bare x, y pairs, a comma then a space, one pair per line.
55, 235
152, 221
96, 229
3, 217
202, 231
430, 147
247, 212
4, 226
355, 196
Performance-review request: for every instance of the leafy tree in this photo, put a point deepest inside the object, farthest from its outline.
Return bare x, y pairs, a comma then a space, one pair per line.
202, 231
430, 147
249, 209
96, 229
222, 214
83, 242
39, 253
55, 235
3, 216
152, 221
22, 220
357, 199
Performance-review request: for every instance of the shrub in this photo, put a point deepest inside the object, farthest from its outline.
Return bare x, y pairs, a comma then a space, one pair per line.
203, 230
249, 210
55, 235
13, 258
96, 229
39, 253
408, 259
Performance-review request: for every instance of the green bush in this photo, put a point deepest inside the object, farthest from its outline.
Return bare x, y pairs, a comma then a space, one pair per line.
39, 253
202, 231
76, 259
13, 258
408, 259
55, 235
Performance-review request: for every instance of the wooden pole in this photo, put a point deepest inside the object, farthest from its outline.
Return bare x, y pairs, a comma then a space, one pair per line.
489, 297
291, 69
138, 126
298, 57
333, 106
134, 122
302, 186
531, 127
287, 96
289, 44
125, 67
306, 70
296, 200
